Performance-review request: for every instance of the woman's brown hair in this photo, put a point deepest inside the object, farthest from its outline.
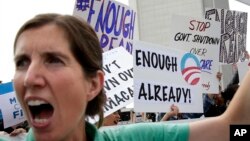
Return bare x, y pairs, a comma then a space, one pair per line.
84, 45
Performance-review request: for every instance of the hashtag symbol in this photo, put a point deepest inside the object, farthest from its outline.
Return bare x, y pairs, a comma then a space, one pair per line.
82, 5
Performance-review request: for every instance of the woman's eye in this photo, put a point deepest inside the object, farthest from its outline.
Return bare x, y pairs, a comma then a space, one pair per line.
54, 60
22, 63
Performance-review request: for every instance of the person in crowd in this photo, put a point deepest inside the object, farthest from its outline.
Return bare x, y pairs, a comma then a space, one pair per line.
229, 93
112, 119
219, 101
150, 117
16, 131
138, 117
172, 115
59, 81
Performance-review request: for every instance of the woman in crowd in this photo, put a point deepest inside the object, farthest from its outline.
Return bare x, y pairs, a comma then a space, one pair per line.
59, 82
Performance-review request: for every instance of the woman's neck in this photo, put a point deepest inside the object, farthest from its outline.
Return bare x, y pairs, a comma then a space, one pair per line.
78, 134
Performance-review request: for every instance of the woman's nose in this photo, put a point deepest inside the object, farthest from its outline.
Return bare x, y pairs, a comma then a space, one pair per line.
34, 76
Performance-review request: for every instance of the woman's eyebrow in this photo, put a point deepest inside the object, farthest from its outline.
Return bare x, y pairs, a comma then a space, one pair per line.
19, 56
57, 54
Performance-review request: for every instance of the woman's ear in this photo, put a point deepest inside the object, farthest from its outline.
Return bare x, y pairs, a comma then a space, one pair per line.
96, 85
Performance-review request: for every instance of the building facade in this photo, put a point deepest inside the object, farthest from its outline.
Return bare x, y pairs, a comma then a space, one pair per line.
154, 16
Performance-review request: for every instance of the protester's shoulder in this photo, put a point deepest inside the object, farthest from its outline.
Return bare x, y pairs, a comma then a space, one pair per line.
145, 130
30, 135
3, 136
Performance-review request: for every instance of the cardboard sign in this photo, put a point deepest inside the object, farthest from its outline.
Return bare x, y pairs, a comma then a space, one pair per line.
243, 68
11, 109
200, 37
113, 22
165, 76
228, 71
118, 85
233, 33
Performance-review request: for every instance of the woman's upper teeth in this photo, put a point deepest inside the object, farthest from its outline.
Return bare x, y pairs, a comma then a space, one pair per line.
36, 102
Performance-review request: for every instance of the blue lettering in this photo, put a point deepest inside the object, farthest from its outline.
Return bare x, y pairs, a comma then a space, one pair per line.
91, 11
104, 40
107, 16
132, 26
111, 42
118, 32
129, 47
18, 113
100, 21
126, 25
114, 19
206, 64
121, 43
15, 114
12, 100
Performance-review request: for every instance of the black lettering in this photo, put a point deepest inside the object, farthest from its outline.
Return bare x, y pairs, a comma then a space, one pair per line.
171, 95
111, 81
123, 94
110, 104
157, 89
142, 92
118, 99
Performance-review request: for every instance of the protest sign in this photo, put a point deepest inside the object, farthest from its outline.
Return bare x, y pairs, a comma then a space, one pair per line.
233, 33
200, 37
165, 76
11, 109
118, 84
113, 22
243, 68
228, 71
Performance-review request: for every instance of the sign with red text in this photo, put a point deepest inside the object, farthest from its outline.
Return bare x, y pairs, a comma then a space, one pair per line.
233, 33
202, 38
118, 84
165, 76
11, 109
113, 22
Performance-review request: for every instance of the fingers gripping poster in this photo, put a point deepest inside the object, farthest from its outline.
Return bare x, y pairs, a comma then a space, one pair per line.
165, 76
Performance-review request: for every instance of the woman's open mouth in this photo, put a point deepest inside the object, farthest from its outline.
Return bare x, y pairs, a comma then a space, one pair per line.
41, 111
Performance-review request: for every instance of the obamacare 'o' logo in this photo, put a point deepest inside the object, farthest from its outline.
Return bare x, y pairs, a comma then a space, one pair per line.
190, 68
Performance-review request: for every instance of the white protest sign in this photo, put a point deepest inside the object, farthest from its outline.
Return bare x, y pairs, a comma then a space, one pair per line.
200, 37
118, 84
165, 76
243, 68
233, 33
228, 71
113, 22
11, 109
